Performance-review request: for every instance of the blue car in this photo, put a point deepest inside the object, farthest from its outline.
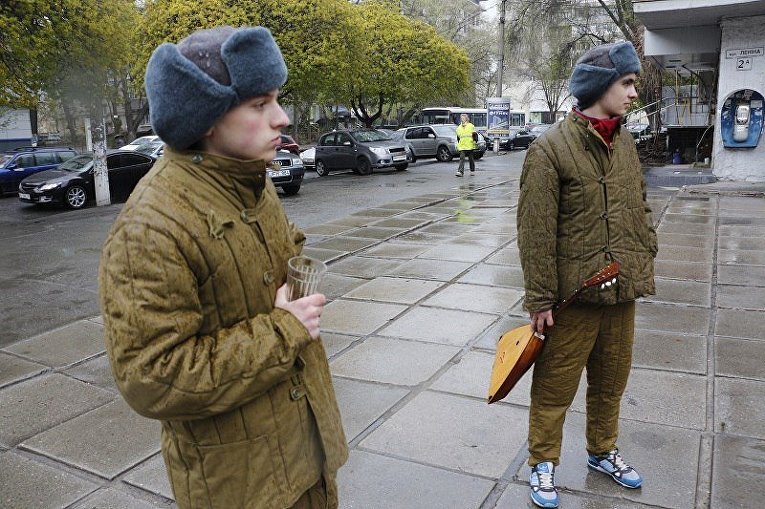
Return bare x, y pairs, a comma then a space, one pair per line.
18, 164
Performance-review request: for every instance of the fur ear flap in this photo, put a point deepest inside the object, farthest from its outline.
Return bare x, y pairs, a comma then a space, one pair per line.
589, 82
625, 58
254, 62
184, 100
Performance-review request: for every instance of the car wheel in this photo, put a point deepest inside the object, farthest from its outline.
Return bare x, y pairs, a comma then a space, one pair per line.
363, 167
402, 167
413, 158
511, 146
291, 190
75, 197
321, 169
443, 154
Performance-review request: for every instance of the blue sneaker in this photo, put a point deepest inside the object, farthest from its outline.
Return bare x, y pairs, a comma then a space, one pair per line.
613, 465
542, 483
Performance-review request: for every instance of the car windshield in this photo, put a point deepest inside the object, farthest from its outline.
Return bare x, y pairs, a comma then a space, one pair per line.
370, 135
148, 148
444, 129
77, 164
4, 158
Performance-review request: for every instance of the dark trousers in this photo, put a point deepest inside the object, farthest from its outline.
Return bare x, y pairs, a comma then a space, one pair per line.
463, 155
596, 337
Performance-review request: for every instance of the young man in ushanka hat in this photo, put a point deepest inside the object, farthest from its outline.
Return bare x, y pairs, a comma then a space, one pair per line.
199, 331
583, 205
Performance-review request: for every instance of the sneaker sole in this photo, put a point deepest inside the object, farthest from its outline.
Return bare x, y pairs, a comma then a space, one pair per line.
545, 505
617, 480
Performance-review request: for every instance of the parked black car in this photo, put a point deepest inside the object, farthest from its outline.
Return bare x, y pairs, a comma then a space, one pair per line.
360, 150
17, 164
287, 171
73, 184
521, 139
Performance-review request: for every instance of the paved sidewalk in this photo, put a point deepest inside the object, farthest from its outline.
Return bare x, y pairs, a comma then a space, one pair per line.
420, 291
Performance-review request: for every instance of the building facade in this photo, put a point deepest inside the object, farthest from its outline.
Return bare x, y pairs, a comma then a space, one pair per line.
722, 43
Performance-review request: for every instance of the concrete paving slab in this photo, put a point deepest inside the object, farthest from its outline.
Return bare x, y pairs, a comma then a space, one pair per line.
672, 269
740, 324
457, 252
494, 275
393, 361
398, 290
453, 432
641, 444
740, 297
738, 476
670, 351
337, 285
362, 403
372, 481
739, 257
672, 318
378, 212
445, 326
427, 269
355, 219
96, 372
738, 407
334, 343
13, 369
684, 254
506, 256
686, 228
344, 243
325, 255
679, 291
390, 249
663, 397
488, 340
327, 229
688, 218
371, 232
117, 439
36, 405
61, 347
739, 358
742, 244
742, 220
678, 239
401, 224
749, 275
467, 297
360, 318
29, 484
365, 267
111, 498
741, 204
468, 377
151, 476
447, 228
740, 231
483, 239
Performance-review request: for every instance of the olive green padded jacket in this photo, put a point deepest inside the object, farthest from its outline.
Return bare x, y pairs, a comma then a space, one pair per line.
581, 206
188, 279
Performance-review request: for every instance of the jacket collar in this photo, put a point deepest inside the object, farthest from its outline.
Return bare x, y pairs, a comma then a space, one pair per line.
248, 173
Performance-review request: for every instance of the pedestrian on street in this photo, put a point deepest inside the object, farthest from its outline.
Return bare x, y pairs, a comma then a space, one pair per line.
583, 205
466, 144
199, 332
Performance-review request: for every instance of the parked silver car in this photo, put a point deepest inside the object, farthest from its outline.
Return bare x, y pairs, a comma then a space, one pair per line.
360, 150
436, 140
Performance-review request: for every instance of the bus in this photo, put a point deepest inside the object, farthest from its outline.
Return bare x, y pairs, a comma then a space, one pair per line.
477, 117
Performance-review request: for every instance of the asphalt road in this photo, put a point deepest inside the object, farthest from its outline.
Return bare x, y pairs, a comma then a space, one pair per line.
49, 256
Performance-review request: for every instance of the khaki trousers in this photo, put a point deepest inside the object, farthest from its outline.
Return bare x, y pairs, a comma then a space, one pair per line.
599, 338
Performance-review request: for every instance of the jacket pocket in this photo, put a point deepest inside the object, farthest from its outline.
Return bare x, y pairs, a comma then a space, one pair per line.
239, 474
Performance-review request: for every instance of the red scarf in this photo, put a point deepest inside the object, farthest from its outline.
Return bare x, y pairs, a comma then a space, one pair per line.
606, 127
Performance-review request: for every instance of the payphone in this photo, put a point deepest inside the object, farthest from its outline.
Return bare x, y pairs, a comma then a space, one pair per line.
741, 119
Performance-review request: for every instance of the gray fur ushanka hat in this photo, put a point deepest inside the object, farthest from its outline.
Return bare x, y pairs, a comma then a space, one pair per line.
598, 68
194, 83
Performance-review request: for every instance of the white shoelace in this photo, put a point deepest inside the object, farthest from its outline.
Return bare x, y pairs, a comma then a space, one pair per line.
545, 481
618, 462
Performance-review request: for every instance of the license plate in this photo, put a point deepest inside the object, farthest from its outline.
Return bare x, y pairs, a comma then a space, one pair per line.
24, 196
280, 173
399, 158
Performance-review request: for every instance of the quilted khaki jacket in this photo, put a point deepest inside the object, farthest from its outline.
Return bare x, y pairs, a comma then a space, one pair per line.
581, 206
188, 278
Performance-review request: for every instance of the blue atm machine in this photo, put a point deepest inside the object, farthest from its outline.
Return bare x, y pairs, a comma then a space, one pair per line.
741, 120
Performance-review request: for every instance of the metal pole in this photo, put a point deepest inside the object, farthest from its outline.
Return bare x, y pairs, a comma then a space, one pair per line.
100, 172
501, 66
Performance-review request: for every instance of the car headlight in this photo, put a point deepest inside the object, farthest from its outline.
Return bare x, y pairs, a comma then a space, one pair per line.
49, 187
380, 151
295, 160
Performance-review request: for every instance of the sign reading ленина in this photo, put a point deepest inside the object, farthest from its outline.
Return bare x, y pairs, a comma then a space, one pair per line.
746, 52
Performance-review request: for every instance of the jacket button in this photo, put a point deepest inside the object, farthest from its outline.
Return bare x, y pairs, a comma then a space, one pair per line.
602, 180
268, 277
197, 158
296, 393
604, 215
